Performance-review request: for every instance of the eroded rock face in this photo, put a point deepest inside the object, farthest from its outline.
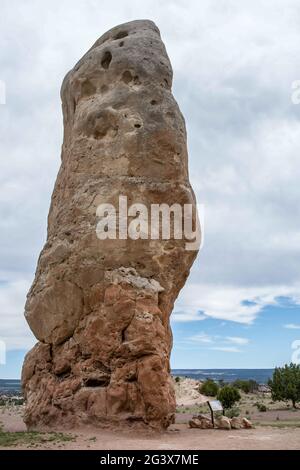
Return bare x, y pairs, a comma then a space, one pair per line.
100, 308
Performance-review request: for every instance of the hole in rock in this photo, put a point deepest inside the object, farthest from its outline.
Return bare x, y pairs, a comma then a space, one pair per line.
127, 76
100, 134
137, 126
121, 44
121, 34
131, 379
103, 124
104, 89
135, 418
86, 355
73, 106
106, 59
87, 88
140, 265
153, 102
123, 335
103, 382
64, 373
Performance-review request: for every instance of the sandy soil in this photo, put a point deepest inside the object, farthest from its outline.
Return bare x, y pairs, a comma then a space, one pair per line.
190, 402
179, 436
187, 392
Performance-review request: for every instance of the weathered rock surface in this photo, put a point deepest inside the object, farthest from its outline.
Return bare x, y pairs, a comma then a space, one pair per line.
236, 423
100, 308
201, 422
222, 422
246, 423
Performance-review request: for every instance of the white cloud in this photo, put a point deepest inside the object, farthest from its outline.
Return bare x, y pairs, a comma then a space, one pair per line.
184, 316
232, 79
201, 338
205, 338
292, 326
14, 330
231, 303
205, 341
226, 349
237, 340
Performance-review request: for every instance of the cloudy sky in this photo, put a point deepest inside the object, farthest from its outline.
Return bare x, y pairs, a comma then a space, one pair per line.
234, 65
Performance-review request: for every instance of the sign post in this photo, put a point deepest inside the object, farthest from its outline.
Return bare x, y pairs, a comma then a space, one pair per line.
214, 405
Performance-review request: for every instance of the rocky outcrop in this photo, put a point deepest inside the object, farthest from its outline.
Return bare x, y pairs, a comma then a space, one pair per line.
100, 308
201, 422
236, 423
246, 423
220, 422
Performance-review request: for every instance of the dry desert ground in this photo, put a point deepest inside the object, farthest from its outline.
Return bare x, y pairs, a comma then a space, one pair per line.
278, 428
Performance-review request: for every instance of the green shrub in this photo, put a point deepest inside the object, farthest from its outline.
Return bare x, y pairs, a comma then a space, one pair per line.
17, 401
285, 383
228, 396
247, 386
177, 379
32, 438
209, 388
261, 407
233, 413
12, 401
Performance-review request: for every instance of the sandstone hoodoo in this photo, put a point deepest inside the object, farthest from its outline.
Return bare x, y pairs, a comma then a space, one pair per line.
100, 306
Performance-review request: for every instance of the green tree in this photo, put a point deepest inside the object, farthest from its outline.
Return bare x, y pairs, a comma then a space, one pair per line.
228, 396
285, 383
247, 386
209, 388
253, 385
242, 385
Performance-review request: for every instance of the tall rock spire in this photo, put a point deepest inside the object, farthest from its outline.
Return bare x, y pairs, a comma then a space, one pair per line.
100, 305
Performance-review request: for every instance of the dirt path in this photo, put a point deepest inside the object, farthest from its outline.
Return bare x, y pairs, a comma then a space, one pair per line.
178, 437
